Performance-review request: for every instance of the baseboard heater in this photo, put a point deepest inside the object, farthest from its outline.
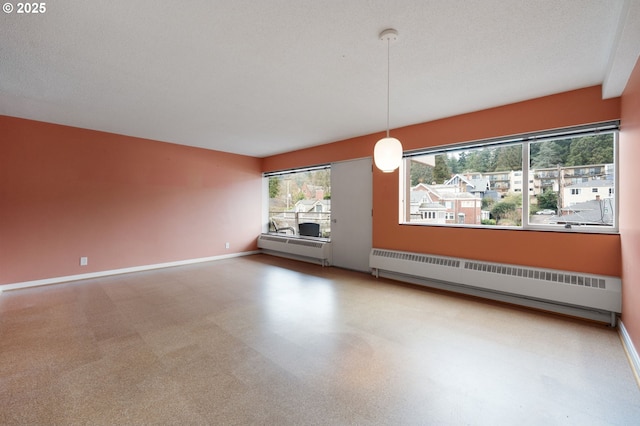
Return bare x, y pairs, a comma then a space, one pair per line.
306, 249
594, 297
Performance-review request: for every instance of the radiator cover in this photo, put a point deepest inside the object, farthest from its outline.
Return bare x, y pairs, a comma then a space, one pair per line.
311, 250
591, 296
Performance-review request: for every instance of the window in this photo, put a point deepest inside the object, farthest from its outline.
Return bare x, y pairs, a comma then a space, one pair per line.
483, 185
300, 196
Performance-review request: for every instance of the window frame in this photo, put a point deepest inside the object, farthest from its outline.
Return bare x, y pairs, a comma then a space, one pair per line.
266, 213
525, 140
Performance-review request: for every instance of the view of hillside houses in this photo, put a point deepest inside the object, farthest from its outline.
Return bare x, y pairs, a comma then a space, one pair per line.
300, 198
570, 181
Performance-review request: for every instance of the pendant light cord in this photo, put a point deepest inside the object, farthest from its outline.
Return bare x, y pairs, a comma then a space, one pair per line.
388, 82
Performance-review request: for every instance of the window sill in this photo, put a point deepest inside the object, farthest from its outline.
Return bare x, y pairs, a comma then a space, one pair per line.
299, 237
575, 229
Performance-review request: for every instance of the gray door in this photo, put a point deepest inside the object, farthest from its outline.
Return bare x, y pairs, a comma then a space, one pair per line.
351, 221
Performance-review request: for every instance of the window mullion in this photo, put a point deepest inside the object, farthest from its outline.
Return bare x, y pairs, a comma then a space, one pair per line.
526, 198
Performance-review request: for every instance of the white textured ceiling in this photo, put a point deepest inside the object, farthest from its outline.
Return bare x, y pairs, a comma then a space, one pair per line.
269, 76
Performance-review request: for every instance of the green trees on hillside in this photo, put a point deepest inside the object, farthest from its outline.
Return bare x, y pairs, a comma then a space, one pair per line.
549, 154
508, 158
594, 149
590, 150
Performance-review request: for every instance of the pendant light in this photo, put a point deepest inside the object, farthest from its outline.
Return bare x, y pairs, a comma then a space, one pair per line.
387, 153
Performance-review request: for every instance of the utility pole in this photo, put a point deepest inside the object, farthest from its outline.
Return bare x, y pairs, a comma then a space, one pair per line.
560, 191
288, 194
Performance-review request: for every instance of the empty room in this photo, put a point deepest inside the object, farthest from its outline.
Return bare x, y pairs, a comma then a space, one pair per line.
294, 212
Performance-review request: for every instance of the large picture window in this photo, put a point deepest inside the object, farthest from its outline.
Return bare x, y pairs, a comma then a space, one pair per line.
562, 180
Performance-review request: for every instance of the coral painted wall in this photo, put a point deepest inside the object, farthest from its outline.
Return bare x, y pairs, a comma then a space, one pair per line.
630, 206
121, 201
591, 253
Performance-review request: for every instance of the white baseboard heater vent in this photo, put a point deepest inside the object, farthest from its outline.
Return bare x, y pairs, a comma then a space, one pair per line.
589, 296
309, 250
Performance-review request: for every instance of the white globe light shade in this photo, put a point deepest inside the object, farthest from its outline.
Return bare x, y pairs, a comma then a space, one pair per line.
387, 154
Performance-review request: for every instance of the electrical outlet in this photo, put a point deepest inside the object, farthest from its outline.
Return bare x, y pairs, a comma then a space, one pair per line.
227, 245
84, 261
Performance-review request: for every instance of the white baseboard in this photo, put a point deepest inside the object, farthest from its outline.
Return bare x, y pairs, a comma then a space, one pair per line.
631, 350
58, 280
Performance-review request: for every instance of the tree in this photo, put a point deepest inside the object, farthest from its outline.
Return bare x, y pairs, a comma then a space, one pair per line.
462, 161
548, 200
452, 163
441, 171
480, 160
591, 150
514, 198
420, 173
502, 209
487, 202
321, 178
274, 187
562, 148
508, 158
548, 155
534, 148
508, 209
